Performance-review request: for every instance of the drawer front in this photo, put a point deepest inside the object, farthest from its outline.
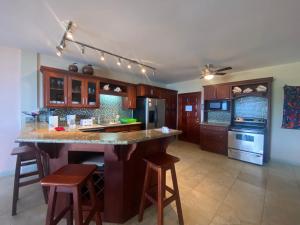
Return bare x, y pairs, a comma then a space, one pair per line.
246, 156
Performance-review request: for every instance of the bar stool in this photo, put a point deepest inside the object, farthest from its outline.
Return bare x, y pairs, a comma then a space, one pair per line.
70, 179
26, 155
160, 163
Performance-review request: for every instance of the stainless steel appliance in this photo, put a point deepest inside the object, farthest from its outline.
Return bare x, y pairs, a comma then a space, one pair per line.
246, 140
151, 112
222, 105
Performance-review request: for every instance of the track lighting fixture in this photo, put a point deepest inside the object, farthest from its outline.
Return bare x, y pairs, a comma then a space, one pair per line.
102, 57
59, 50
68, 36
119, 62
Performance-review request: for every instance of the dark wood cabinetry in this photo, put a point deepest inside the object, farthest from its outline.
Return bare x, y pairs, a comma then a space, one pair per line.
63, 90
144, 90
214, 138
130, 101
125, 128
214, 92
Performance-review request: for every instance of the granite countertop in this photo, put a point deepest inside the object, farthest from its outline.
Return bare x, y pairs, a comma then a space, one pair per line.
39, 133
223, 124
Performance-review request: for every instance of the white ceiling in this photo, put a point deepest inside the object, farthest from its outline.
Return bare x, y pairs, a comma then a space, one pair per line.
175, 36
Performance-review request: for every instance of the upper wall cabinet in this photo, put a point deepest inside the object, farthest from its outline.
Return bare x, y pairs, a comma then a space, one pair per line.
213, 92
65, 90
144, 90
55, 89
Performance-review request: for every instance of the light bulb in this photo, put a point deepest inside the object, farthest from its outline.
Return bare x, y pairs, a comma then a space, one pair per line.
69, 35
58, 53
129, 66
59, 50
143, 70
102, 57
119, 62
209, 76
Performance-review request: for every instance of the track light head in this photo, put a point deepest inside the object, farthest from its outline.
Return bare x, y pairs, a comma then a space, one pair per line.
102, 57
59, 50
129, 66
143, 70
69, 35
82, 50
119, 62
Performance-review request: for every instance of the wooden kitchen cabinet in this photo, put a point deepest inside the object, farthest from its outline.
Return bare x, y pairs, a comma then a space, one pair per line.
64, 90
215, 92
55, 89
130, 101
144, 90
214, 138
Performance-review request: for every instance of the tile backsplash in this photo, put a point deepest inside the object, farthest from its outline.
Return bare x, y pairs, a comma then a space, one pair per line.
110, 106
251, 106
218, 117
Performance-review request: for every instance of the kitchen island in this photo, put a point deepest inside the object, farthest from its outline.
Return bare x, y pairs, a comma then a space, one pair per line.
124, 168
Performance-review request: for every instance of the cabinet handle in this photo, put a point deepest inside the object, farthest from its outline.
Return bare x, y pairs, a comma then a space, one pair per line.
129, 102
86, 101
65, 99
82, 100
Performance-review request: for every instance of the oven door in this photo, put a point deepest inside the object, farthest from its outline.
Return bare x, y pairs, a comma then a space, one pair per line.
246, 141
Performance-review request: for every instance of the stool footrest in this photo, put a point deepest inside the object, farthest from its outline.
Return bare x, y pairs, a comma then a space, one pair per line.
62, 214
25, 183
170, 190
30, 174
28, 163
169, 200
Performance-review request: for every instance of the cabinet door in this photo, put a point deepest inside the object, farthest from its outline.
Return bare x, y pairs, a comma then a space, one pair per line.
76, 89
92, 94
131, 92
213, 139
210, 92
55, 90
223, 92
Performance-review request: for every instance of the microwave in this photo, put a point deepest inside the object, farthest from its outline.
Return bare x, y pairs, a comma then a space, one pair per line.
221, 105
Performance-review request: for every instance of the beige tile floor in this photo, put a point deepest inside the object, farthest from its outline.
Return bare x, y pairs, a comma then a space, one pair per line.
214, 190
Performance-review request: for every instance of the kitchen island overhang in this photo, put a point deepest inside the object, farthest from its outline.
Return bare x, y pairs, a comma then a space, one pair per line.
124, 168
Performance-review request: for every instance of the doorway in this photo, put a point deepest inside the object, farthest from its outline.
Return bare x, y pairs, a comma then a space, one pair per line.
189, 116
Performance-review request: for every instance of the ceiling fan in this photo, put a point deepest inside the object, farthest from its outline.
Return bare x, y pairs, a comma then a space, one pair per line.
209, 71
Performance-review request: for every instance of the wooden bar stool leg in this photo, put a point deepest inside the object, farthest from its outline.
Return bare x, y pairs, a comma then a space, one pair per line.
145, 188
16, 186
178, 203
77, 206
97, 214
51, 206
70, 213
41, 173
161, 176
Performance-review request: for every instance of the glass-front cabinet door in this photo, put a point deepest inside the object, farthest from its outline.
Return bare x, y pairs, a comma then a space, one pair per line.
56, 90
92, 98
76, 92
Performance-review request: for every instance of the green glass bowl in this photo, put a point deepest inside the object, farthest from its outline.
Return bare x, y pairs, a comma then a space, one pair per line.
127, 120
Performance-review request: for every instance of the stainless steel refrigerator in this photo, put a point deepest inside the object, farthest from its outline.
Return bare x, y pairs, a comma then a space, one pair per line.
151, 112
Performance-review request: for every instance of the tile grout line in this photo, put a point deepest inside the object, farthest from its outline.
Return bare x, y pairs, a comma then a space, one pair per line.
222, 202
265, 197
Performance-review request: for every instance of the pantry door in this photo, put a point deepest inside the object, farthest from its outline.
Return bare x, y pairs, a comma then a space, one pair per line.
189, 116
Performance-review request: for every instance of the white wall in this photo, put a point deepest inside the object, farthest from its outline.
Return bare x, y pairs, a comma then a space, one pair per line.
10, 113
284, 142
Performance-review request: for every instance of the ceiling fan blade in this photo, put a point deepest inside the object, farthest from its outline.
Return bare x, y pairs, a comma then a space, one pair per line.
220, 73
223, 69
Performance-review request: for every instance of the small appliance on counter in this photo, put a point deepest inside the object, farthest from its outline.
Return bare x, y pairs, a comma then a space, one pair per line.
86, 122
246, 140
151, 112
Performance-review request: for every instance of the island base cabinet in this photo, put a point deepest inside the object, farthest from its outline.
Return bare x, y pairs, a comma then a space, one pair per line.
124, 172
213, 139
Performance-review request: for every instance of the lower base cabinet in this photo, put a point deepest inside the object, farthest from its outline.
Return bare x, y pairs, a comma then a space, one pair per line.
125, 128
214, 138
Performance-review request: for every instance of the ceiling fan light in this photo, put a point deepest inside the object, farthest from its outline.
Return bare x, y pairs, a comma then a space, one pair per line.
209, 76
69, 35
